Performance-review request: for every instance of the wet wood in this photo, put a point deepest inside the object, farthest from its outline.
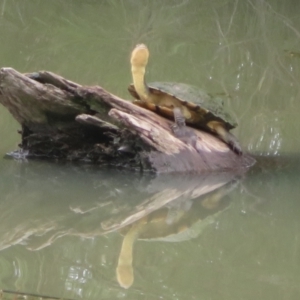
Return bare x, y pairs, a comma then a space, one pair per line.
63, 120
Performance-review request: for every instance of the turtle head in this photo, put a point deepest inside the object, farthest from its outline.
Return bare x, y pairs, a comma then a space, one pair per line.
139, 56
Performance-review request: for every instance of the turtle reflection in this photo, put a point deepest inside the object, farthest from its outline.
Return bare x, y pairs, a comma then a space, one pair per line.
178, 221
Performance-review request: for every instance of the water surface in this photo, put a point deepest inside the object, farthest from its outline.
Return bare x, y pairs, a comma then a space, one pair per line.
62, 225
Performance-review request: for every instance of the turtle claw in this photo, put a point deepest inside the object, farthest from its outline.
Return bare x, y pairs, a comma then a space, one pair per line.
235, 147
233, 143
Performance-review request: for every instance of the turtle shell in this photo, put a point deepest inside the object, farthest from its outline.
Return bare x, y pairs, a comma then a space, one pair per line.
198, 107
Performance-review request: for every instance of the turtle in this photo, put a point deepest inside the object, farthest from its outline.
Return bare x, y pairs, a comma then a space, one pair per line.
199, 109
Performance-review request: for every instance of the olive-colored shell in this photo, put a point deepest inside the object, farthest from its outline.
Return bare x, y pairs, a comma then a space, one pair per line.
202, 105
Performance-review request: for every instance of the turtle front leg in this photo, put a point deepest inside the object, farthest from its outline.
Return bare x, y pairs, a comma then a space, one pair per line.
180, 130
225, 136
184, 133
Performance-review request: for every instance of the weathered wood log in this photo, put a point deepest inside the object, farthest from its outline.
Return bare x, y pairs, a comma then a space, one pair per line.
61, 119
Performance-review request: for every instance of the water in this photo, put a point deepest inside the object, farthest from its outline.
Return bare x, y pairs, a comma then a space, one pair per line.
62, 225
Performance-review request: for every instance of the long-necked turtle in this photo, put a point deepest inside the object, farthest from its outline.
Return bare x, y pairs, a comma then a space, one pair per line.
200, 110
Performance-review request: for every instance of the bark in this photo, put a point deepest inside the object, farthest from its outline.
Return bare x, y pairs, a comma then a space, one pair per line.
63, 120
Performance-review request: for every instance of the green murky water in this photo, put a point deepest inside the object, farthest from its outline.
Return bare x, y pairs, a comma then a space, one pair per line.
215, 237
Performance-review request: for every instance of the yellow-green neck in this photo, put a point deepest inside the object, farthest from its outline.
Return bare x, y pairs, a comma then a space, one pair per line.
138, 76
139, 61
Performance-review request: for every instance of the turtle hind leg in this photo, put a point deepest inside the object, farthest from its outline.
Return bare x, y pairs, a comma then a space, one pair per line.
225, 136
233, 143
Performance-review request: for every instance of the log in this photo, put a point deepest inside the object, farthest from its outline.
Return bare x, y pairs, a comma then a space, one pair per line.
63, 120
